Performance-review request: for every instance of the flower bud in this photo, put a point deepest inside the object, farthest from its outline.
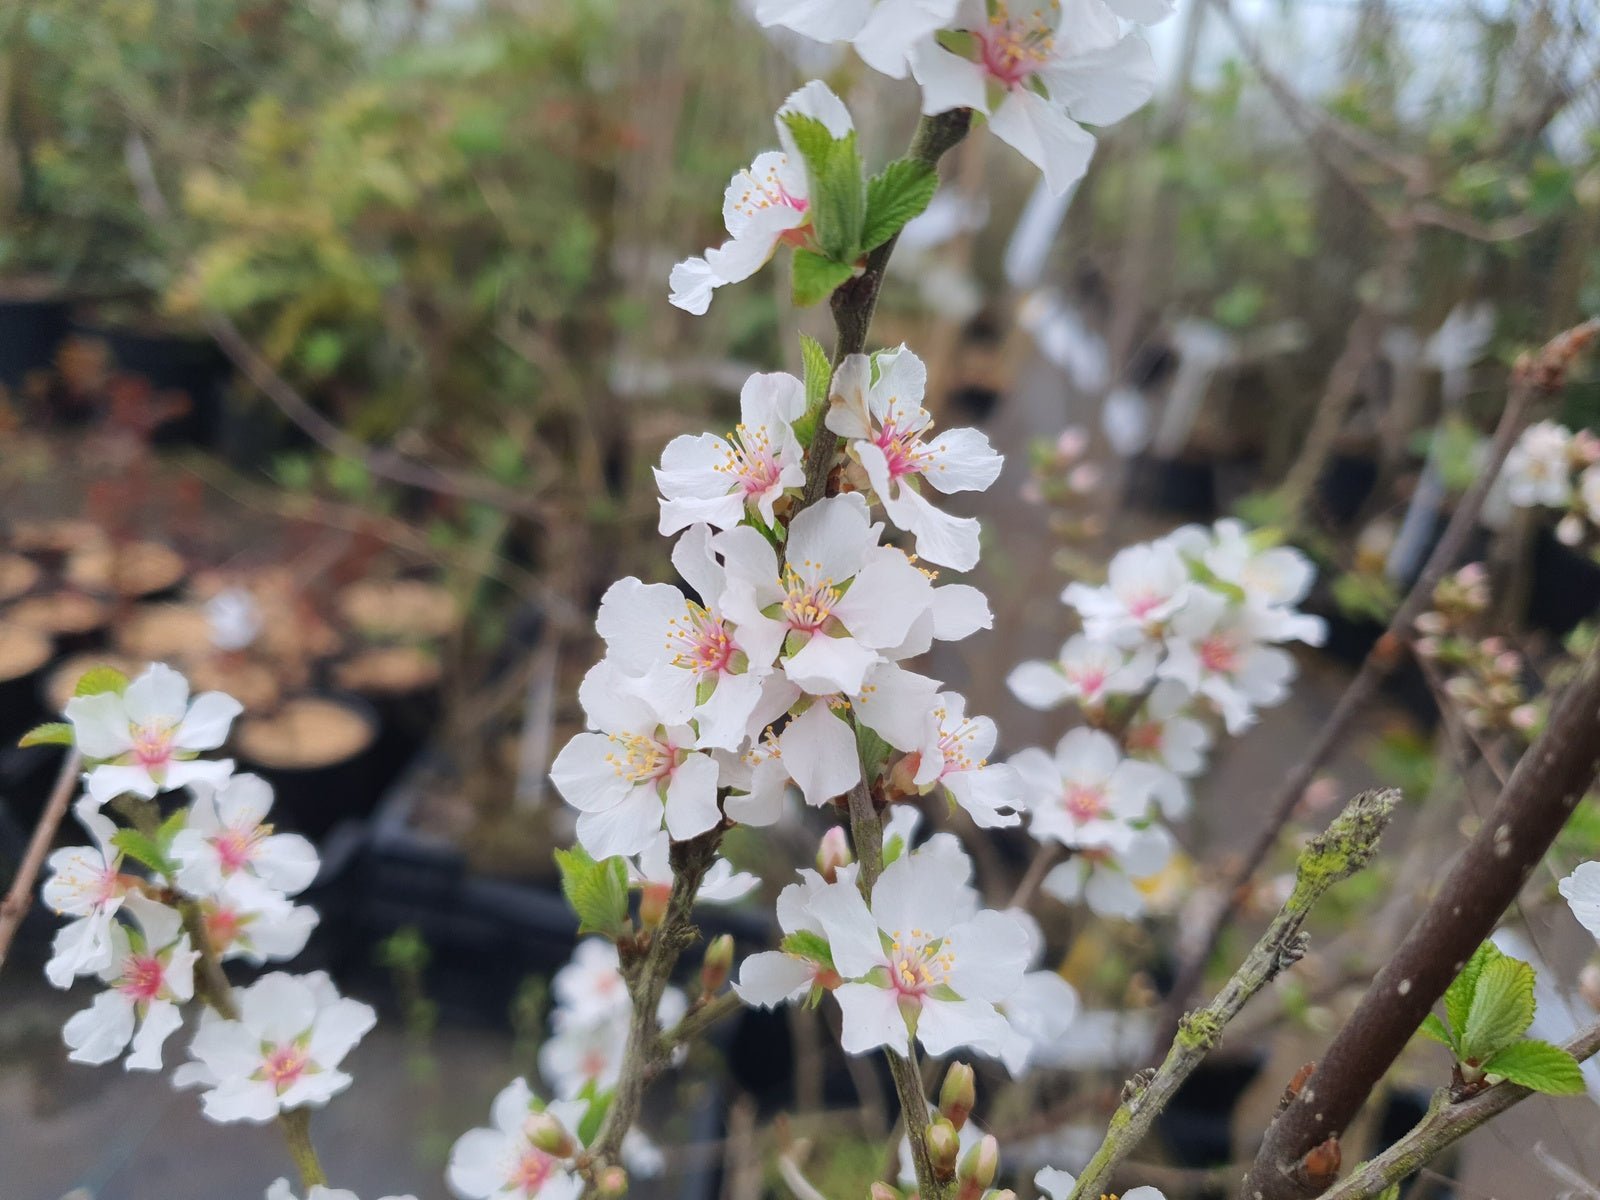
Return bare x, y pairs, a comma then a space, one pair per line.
979, 1164
958, 1094
1072, 442
612, 1182
653, 904
1589, 985
944, 1145
1432, 623
549, 1135
902, 777
1524, 717
1000, 1194
883, 1191
717, 963
833, 853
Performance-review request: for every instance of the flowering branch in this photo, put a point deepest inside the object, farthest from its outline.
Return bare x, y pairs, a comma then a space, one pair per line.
20, 895
1348, 844
1446, 1122
1299, 1157
1537, 376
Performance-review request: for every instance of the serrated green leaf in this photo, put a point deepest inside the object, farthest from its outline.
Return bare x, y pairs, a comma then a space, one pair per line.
838, 201
817, 370
141, 849
815, 277
1502, 1008
97, 680
901, 191
873, 750
1539, 1066
1458, 996
1432, 1027
51, 733
170, 827
807, 944
597, 891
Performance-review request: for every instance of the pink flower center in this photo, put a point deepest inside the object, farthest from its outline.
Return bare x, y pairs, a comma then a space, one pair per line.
142, 977
700, 642
222, 927
767, 192
152, 744
750, 460
1090, 681
1084, 804
903, 449
953, 747
1218, 654
1142, 604
807, 605
919, 963
532, 1169
236, 847
284, 1065
1144, 737
1017, 44
594, 1064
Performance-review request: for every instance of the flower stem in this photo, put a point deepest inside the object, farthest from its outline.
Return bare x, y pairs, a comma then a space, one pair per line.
296, 1125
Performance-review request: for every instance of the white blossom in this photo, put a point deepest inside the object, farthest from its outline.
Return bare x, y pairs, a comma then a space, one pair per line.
1109, 881
1088, 672
282, 1053
280, 1190
1582, 892
85, 882
1085, 795
765, 205
1145, 585
151, 973
245, 919
233, 618
144, 740
501, 1161
226, 835
956, 756
718, 481
1538, 470
1216, 648
1054, 63
721, 884
771, 977
1058, 1184
882, 31
885, 425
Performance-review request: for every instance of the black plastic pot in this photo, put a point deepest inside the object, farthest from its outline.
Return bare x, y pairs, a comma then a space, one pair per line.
1197, 1127
1346, 483
1184, 486
174, 362
31, 327
1403, 1108
312, 800
1565, 587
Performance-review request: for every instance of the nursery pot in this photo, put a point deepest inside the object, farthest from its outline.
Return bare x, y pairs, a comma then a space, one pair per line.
132, 570
318, 754
1197, 1126
1565, 587
32, 324
402, 685
18, 576
1183, 486
74, 621
1346, 483
171, 362
24, 658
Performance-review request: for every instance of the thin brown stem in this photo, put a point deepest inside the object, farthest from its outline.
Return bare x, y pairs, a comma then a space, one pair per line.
19, 897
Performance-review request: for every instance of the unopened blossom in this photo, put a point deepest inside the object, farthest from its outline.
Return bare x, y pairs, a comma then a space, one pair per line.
1538, 470
886, 428
151, 973
956, 756
1052, 63
1088, 672
1110, 882
721, 884
839, 599
1145, 585
882, 31
227, 834
1217, 648
719, 480
764, 206
685, 655
1086, 794
1058, 1184
636, 773
502, 1161
144, 740
1582, 892
86, 883
283, 1052
280, 1190
246, 919
918, 963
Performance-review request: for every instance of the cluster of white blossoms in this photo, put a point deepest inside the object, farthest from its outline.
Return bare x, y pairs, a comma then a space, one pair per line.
1187, 628
1550, 466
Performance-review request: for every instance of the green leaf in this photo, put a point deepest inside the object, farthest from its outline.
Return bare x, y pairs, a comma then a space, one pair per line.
1458, 996
1433, 1027
141, 849
838, 207
815, 277
97, 680
874, 751
804, 943
594, 1117
1392, 1192
818, 372
1539, 1066
1502, 1008
170, 827
895, 195
597, 891
51, 733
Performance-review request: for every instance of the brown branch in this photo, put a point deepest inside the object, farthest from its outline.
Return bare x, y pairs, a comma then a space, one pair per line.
1538, 376
1533, 808
19, 897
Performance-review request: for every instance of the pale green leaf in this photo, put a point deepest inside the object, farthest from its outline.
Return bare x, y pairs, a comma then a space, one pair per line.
1502, 1008
51, 733
894, 196
1539, 1066
96, 680
815, 277
597, 891
1458, 996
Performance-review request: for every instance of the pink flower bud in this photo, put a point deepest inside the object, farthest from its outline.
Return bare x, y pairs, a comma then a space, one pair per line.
1072, 443
653, 900
548, 1134
1569, 530
833, 852
1589, 985
958, 1094
1433, 623
612, 1182
1524, 717
979, 1164
1084, 479
717, 963
944, 1145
